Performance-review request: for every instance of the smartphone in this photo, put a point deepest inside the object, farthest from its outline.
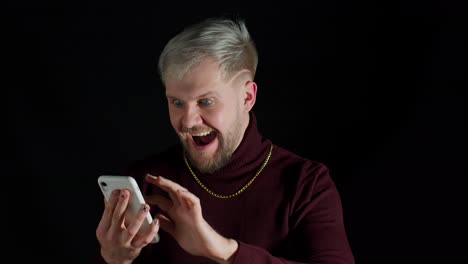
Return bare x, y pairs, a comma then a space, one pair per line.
107, 183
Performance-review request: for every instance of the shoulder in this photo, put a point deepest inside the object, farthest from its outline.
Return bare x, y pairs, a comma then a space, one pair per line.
293, 162
305, 176
310, 185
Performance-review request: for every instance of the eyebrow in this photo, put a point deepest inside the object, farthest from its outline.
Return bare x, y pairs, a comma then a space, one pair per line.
210, 93
207, 94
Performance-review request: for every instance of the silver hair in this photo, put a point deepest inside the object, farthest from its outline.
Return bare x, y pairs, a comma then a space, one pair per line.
226, 41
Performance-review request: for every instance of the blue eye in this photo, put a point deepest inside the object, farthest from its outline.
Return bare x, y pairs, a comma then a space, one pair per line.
206, 101
177, 102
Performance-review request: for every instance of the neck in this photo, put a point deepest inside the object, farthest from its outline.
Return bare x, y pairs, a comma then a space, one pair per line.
243, 129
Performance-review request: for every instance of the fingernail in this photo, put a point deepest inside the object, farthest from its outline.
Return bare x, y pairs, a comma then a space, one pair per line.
115, 192
151, 176
123, 194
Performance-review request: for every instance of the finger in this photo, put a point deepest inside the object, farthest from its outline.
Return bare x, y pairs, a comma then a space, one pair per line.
119, 212
133, 227
188, 199
184, 200
167, 185
166, 224
162, 202
148, 236
109, 207
164, 183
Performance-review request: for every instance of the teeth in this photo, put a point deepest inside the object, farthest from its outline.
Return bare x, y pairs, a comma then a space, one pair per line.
201, 134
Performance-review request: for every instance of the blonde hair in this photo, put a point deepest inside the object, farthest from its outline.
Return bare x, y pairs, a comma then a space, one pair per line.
226, 41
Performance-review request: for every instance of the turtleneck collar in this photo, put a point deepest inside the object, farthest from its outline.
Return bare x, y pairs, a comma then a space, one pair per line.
246, 159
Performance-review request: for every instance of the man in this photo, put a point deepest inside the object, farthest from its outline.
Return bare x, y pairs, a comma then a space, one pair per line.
226, 194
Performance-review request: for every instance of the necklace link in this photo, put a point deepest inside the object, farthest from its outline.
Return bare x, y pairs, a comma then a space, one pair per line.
233, 194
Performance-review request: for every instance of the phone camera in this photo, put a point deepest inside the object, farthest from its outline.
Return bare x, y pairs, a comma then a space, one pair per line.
103, 184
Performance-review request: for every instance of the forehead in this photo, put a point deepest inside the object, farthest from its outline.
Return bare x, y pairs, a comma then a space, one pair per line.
204, 78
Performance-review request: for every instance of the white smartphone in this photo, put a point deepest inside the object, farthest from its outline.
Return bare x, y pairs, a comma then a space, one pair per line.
108, 183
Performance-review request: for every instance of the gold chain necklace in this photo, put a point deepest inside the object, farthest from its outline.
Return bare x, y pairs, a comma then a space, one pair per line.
239, 191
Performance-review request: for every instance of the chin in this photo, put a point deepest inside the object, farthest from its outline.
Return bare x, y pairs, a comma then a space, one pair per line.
208, 160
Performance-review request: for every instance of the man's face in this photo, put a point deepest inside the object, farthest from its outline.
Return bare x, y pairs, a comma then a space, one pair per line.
209, 114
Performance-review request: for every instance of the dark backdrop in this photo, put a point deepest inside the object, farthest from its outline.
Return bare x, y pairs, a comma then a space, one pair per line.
375, 91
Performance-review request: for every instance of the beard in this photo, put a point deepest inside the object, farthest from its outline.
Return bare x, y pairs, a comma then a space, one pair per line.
226, 147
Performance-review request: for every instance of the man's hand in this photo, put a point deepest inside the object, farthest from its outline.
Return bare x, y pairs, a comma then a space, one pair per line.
187, 225
121, 243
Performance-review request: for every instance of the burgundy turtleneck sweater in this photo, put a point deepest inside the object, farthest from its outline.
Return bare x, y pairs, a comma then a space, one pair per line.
291, 213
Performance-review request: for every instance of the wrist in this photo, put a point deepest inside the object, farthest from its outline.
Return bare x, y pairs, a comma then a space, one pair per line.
114, 260
118, 261
225, 252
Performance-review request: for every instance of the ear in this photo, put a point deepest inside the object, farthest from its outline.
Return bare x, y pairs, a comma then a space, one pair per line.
250, 95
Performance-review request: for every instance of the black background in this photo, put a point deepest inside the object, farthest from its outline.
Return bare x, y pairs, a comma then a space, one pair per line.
375, 90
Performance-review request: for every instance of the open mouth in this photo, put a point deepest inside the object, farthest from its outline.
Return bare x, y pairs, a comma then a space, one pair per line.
204, 139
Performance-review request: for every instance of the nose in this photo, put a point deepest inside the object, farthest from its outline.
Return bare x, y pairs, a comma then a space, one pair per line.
191, 117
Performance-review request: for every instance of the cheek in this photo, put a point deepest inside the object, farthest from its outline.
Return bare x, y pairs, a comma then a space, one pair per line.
174, 118
224, 118
213, 118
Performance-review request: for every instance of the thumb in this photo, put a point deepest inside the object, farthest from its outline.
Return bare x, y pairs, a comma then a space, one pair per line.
166, 224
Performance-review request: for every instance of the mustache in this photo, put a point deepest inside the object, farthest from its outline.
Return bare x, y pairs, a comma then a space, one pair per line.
196, 130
